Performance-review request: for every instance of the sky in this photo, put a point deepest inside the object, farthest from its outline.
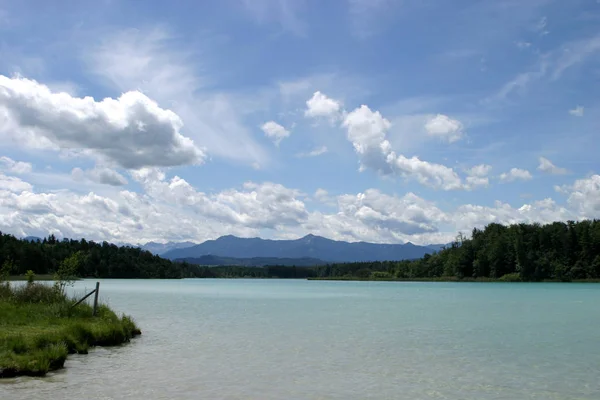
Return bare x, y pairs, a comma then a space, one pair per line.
359, 120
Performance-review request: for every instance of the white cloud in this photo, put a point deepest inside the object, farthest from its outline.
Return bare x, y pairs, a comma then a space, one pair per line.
515, 174
170, 209
101, 175
584, 196
319, 105
13, 184
322, 196
577, 111
480, 170
408, 214
257, 206
16, 167
367, 131
152, 61
275, 132
317, 151
468, 216
547, 166
445, 128
474, 182
132, 131
437, 176
478, 176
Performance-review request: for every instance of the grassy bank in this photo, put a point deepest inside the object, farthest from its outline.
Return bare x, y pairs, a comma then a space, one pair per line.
39, 328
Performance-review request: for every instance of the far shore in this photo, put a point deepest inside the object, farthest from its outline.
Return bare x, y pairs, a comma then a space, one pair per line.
447, 279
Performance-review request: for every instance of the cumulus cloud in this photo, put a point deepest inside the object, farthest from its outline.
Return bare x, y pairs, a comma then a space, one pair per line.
367, 129
468, 216
445, 128
16, 167
480, 170
132, 131
320, 105
584, 196
478, 176
547, 166
577, 111
515, 174
172, 209
275, 132
437, 176
321, 195
265, 205
408, 214
13, 184
101, 175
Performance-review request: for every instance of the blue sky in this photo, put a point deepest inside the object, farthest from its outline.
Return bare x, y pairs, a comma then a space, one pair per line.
380, 120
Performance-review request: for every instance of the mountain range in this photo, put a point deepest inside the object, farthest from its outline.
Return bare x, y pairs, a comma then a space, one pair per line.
308, 250
252, 262
161, 248
309, 246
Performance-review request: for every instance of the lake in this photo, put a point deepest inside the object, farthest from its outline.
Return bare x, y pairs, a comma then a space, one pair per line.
294, 339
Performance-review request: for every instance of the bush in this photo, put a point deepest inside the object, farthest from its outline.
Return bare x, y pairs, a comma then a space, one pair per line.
515, 277
30, 275
380, 275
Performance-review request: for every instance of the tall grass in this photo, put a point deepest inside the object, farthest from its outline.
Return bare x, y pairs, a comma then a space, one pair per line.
39, 328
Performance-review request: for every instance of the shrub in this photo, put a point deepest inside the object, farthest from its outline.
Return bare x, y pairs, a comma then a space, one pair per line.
30, 275
515, 277
380, 275
67, 272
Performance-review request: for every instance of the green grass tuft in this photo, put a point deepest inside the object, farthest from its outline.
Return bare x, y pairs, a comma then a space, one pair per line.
39, 328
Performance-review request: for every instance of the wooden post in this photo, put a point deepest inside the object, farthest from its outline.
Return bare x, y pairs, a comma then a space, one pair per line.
96, 298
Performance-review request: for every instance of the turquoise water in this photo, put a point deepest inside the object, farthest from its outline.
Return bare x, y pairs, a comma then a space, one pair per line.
276, 339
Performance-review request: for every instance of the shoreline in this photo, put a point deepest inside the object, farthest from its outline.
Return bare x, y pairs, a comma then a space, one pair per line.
40, 327
447, 279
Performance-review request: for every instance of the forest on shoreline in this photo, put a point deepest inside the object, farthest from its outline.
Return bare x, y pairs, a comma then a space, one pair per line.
560, 251
97, 260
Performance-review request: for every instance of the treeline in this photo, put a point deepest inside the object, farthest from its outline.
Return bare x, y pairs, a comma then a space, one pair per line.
267, 271
527, 252
99, 260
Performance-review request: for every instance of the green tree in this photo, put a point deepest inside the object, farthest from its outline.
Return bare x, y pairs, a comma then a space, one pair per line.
67, 272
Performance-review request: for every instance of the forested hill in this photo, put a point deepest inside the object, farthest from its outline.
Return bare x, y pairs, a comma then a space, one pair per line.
528, 252
101, 260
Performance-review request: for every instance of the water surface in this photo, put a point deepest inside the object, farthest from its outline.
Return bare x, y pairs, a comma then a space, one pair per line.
281, 339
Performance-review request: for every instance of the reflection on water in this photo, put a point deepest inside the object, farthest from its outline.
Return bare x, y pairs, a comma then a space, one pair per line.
272, 339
